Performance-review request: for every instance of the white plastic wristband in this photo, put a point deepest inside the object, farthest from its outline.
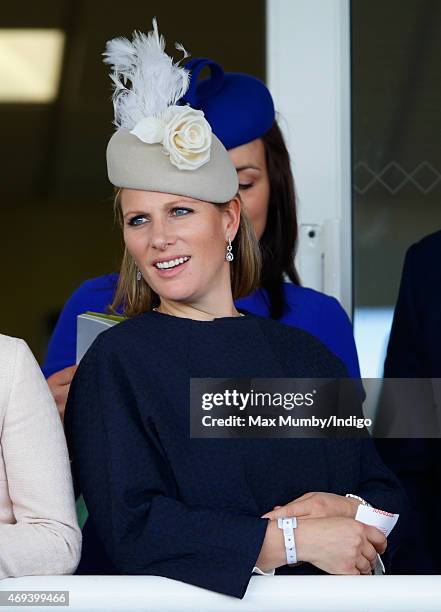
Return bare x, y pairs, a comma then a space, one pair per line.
288, 525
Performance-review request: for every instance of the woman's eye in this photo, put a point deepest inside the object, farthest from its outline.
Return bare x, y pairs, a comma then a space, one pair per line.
180, 212
138, 220
244, 186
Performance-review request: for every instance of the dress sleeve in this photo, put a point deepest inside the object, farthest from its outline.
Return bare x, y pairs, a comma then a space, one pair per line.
61, 351
44, 537
378, 485
94, 294
337, 333
381, 488
133, 497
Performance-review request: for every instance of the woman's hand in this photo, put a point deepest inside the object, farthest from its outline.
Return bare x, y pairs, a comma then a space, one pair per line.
59, 384
339, 545
316, 505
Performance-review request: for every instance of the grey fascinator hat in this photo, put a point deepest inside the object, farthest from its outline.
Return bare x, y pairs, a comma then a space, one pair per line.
160, 145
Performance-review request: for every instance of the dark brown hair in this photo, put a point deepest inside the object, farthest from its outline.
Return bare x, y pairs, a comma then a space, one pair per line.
278, 243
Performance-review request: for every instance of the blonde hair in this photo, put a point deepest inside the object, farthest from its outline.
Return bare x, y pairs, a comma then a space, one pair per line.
135, 297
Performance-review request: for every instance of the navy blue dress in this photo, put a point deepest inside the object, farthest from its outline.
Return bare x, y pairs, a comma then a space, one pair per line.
189, 509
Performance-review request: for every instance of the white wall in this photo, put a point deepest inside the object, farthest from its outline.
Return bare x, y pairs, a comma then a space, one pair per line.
308, 73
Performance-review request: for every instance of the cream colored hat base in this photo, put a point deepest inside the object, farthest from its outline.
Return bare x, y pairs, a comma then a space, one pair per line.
134, 164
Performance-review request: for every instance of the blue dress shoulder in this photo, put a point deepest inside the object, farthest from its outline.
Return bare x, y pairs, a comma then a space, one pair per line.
319, 314
93, 295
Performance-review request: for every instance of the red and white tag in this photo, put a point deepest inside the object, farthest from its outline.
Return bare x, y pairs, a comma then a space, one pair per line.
382, 520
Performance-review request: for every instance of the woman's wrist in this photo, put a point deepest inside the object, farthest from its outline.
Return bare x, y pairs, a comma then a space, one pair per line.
272, 553
302, 541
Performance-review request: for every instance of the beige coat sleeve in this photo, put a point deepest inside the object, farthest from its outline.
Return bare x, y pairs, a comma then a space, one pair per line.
45, 537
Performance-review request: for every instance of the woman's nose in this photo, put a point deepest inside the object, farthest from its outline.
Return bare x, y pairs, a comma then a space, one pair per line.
161, 237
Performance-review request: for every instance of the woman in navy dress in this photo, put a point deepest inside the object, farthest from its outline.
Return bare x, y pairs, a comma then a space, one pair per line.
163, 503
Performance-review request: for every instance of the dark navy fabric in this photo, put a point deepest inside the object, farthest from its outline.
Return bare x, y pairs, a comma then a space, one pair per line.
189, 509
320, 315
415, 340
238, 106
414, 352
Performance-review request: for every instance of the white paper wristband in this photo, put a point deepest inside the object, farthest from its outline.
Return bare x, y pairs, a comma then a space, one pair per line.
288, 525
360, 499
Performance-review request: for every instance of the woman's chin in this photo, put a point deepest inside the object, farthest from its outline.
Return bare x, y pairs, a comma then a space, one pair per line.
176, 296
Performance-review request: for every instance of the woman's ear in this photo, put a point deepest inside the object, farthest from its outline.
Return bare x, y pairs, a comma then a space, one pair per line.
232, 218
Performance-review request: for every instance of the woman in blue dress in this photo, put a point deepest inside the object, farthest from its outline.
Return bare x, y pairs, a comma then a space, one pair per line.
241, 113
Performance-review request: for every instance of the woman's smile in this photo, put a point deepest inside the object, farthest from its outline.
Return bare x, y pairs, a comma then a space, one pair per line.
167, 268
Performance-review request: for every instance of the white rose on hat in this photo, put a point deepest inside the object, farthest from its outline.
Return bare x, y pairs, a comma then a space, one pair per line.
184, 133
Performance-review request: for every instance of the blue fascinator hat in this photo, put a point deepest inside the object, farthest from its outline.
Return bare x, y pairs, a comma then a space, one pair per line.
238, 106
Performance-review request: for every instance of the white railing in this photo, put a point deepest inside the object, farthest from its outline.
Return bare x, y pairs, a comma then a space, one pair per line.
264, 594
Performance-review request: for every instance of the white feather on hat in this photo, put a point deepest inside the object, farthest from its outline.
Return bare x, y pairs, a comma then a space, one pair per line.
156, 81
160, 145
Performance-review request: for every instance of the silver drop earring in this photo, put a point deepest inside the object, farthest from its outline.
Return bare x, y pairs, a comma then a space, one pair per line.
229, 256
138, 274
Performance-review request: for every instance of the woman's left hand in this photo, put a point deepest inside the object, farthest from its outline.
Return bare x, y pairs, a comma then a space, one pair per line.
316, 505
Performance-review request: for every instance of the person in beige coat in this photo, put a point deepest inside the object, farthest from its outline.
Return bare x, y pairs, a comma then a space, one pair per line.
39, 533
